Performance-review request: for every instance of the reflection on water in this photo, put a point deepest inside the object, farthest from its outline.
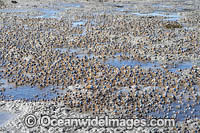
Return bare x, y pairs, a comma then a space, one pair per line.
27, 92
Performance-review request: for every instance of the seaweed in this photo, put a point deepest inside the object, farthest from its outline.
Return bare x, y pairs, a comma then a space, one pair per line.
173, 25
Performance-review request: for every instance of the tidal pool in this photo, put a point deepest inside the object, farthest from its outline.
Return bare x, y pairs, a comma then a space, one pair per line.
27, 92
169, 16
132, 63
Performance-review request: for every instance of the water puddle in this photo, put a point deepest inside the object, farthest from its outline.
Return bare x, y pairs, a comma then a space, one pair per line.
161, 6
153, 65
29, 93
122, 90
12, 92
85, 55
5, 116
169, 16
78, 23
77, 50
80, 53
5, 84
184, 65
123, 10
119, 63
185, 9
163, 13
68, 5
48, 13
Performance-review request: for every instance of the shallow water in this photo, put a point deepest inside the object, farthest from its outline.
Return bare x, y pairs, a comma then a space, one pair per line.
163, 12
169, 16
132, 63
123, 90
125, 8
80, 53
48, 13
161, 6
153, 65
184, 65
83, 55
5, 116
73, 50
78, 23
27, 92
68, 5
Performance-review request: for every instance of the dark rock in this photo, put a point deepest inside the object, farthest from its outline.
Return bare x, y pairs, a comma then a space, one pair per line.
119, 6
173, 26
14, 2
